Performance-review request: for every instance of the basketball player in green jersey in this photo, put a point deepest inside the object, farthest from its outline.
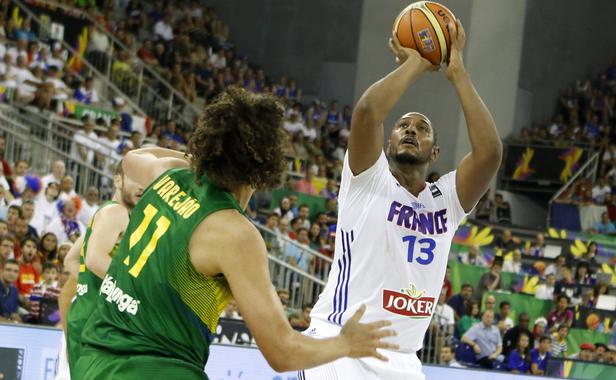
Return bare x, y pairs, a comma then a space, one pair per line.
189, 248
94, 254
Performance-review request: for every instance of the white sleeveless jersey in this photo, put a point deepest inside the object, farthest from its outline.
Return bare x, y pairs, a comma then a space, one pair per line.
391, 251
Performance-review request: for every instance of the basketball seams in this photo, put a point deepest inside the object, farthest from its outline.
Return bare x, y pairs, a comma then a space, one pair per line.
438, 32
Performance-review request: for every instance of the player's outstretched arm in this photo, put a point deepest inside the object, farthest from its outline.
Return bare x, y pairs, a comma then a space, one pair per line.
107, 227
146, 164
367, 134
477, 169
69, 289
243, 261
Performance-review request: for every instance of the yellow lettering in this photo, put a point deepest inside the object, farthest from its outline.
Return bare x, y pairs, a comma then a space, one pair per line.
186, 206
176, 198
161, 182
171, 192
178, 206
168, 186
188, 213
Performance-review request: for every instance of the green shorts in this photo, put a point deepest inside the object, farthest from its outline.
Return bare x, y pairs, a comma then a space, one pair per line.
73, 346
98, 365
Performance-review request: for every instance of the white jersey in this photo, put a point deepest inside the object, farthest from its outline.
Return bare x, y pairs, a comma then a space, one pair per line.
391, 251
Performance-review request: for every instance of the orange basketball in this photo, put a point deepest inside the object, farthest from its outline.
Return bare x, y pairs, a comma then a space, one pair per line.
423, 26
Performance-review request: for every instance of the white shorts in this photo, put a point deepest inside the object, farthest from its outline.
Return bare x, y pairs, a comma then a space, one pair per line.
401, 365
63, 372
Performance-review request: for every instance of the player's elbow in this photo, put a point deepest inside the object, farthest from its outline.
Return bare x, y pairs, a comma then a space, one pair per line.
278, 360
95, 266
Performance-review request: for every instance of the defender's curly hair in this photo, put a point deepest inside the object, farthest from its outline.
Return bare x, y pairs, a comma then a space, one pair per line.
239, 139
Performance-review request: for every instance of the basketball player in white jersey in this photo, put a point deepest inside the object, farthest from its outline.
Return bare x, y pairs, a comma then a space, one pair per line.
394, 229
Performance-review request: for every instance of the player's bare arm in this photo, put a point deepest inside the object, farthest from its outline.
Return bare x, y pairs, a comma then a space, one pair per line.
107, 227
235, 249
68, 291
477, 169
367, 132
146, 164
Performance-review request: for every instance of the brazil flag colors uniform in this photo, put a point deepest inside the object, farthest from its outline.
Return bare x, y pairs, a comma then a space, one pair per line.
82, 306
156, 314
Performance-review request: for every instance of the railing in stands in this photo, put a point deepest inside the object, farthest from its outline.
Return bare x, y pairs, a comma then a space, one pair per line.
588, 170
110, 90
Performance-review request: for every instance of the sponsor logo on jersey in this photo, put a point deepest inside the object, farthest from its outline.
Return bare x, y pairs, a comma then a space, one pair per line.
430, 223
115, 295
436, 192
82, 289
408, 302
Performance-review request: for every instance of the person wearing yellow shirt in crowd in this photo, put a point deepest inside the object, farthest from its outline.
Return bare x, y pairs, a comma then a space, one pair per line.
559, 341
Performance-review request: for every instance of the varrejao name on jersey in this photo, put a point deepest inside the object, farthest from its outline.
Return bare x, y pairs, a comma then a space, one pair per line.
124, 302
82, 289
408, 302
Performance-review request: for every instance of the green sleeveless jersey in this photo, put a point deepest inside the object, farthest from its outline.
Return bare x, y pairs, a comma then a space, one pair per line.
87, 286
152, 300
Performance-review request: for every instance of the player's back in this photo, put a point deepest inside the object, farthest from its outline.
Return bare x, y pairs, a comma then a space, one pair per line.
153, 302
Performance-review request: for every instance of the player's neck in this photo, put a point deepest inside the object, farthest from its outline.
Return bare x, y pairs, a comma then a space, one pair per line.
242, 195
411, 177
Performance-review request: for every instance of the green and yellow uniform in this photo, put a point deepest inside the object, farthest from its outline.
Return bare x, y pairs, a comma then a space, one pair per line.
85, 300
156, 314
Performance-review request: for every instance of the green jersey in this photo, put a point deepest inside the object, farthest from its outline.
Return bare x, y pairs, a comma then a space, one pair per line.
86, 297
153, 302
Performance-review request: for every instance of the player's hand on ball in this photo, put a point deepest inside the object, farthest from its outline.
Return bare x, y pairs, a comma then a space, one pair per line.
362, 339
458, 39
403, 54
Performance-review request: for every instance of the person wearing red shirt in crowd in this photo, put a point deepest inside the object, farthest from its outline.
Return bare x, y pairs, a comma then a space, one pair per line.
6, 167
28, 276
305, 184
560, 315
447, 282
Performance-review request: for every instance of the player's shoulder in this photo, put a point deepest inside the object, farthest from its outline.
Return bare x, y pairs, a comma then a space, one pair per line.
229, 227
113, 212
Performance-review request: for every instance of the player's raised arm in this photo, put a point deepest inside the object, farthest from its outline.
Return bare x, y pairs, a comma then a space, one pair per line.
107, 227
69, 289
146, 164
367, 133
477, 168
243, 261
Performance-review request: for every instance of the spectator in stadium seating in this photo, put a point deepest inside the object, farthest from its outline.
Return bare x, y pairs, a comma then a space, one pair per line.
86, 93
567, 285
85, 142
545, 291
560, 315
330, 190
4, 228
331, 210
459, 301
586, 353
301, 321
89, 205
604, 226
170, 132
60, 90
601, 352
303, 212
447, 358
66, 226
485, 339
506, 241
539, 356
296, 224
443, 319
513, 335
317, 239
473, 257
6, 171
600, 190
484, 208
7, 248
27, 209
514, 265
591, 252
469, 318
305, 185
538, 247
583, 276
58, 169
490, 303
48, 289
14, 212
556, 268
27, 82
296, 254
447, 282
502, 209
559, 341
294, 125
9, 295
502, 319
284, 209
518, 360
600, 289
67, 187
28, 275
283, 295
163, 29
230, 311
48, 248
558, 127
491, 280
